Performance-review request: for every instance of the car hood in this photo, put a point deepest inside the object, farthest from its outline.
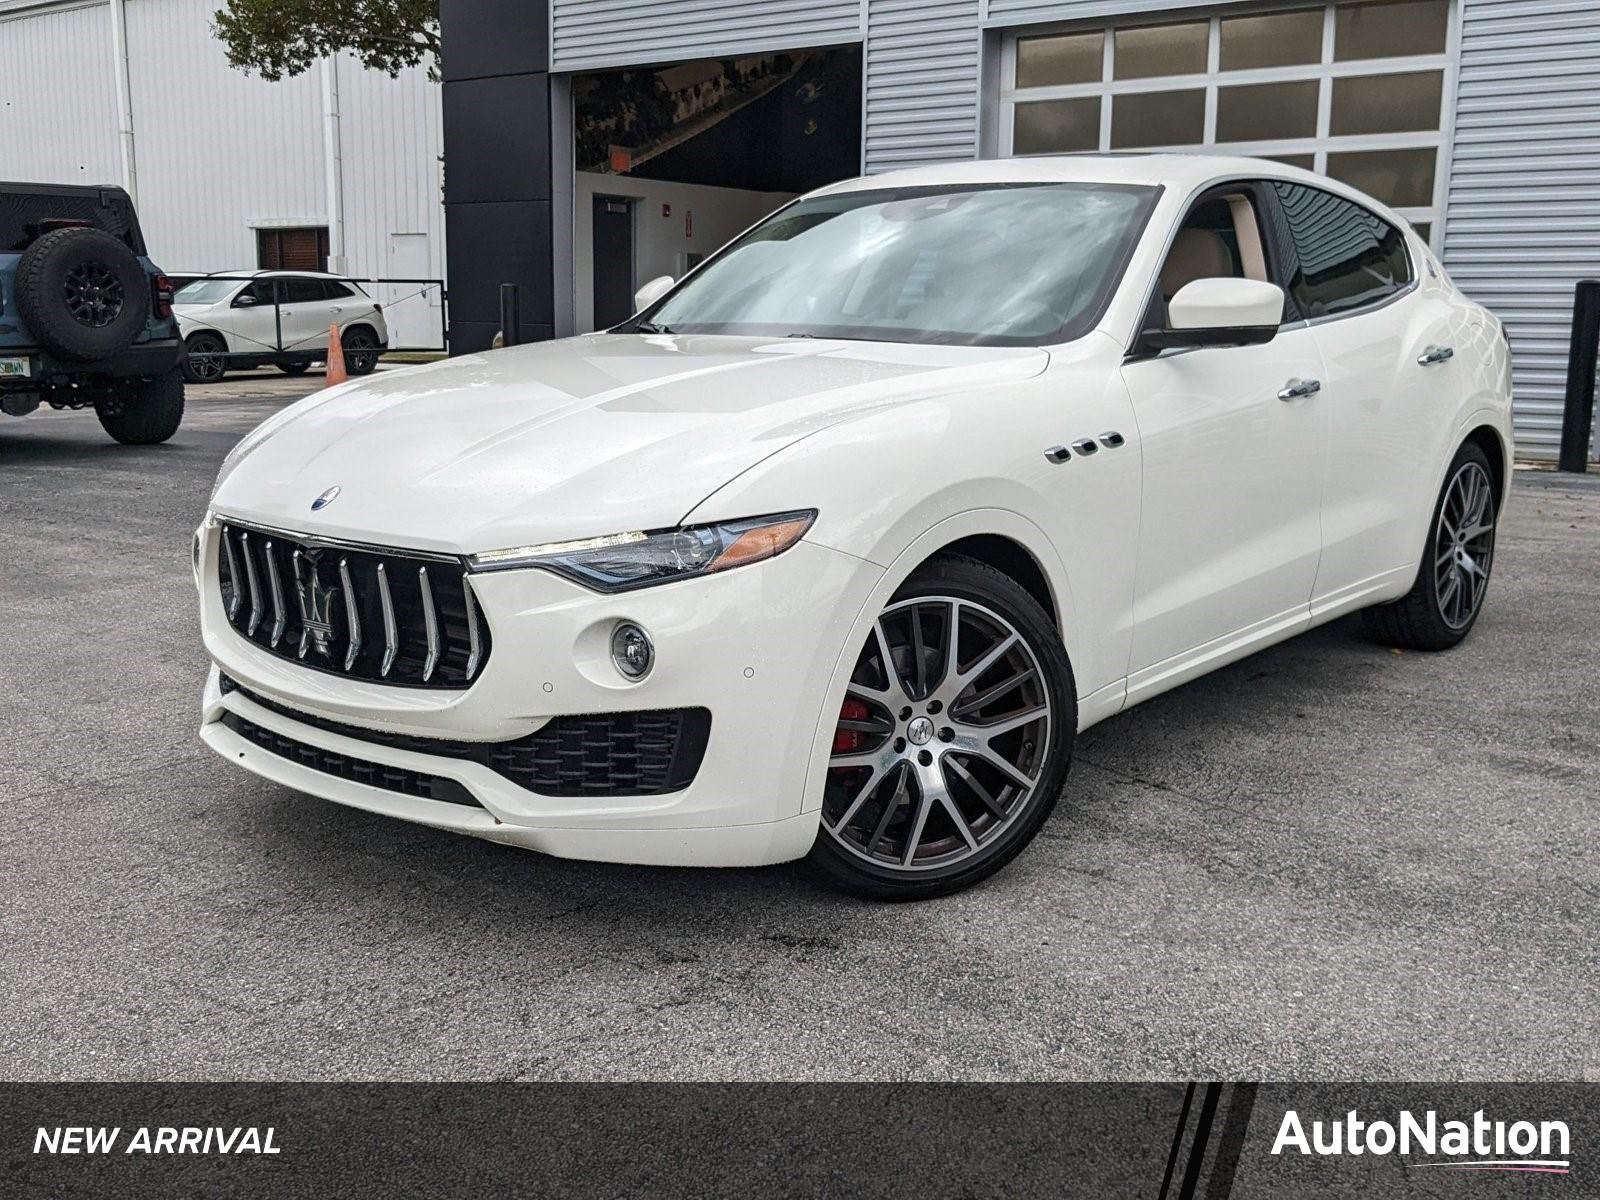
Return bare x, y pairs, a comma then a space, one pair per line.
570, 439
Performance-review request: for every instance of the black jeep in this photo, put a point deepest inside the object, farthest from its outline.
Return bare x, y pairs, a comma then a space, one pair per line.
85, 316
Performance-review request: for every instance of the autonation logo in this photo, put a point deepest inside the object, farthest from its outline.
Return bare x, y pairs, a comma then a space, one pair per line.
1476, 1145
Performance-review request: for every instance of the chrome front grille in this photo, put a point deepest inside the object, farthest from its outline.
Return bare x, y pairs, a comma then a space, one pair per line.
389, 616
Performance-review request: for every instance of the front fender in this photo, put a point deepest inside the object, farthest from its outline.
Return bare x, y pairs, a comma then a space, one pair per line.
911, 556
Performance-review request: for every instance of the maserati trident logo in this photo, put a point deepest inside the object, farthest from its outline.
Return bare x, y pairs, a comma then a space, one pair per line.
316, 613
327, 498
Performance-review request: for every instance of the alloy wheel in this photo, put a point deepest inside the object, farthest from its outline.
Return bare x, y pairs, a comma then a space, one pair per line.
1463, 547
942, 737
94, 294
206, 358
360, 352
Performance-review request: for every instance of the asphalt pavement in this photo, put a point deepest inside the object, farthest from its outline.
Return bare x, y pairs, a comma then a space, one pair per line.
1329, 861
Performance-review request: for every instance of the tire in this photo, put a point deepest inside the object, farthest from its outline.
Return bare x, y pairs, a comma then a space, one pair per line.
360, 350
910, 764
83, 293
1453, 577
203, 358
150, 411
296, 368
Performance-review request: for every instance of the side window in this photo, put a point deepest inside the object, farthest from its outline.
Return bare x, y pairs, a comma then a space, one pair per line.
260, 291
336, 291
1338, 256
1220, 237
302, 291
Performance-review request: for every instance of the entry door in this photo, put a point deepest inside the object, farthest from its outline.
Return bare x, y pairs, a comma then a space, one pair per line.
307, 314
1233, 476
253, 328
613, 260
411, 309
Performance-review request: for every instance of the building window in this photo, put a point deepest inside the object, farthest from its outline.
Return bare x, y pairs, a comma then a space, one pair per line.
303, 249
1355, 91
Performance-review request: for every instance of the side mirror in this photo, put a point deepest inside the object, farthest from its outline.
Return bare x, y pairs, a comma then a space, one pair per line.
652, 291
244, 300
1218, 312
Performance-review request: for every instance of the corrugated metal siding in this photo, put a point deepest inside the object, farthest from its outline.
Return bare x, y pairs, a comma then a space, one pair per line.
392, 142
1522, 224
218, 150
921, 89
592, 34
58, 126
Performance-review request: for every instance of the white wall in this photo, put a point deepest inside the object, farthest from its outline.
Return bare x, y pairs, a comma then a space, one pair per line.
66, 131
221, 152
717, 214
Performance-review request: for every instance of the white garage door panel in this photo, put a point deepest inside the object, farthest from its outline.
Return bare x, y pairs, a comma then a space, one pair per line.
594, 34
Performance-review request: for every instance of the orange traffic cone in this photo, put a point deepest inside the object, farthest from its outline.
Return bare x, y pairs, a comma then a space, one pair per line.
336, 372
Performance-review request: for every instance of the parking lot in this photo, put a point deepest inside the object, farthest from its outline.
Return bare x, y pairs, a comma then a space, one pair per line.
1329, 861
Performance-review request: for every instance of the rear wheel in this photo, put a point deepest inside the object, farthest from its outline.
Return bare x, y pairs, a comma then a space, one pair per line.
146, 411
953, 737
1444, 602
205, 358
360, 350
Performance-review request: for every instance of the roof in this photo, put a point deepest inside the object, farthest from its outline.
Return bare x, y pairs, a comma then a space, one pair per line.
1174, 170
263, 273
1182, 173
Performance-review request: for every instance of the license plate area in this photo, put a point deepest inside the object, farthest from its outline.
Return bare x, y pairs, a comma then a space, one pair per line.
16, 368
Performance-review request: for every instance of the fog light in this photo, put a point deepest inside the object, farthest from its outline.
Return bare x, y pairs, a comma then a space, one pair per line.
632, 652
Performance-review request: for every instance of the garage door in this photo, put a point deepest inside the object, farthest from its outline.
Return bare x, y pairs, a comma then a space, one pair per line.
1355, 91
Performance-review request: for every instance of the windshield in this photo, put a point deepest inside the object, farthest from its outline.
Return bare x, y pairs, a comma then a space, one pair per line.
970, 265
206, 291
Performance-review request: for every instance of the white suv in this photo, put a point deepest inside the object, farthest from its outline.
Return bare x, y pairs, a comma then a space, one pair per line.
252, 318
834, 547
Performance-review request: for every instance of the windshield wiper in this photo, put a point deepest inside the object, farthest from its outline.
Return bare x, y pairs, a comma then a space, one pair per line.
650, 327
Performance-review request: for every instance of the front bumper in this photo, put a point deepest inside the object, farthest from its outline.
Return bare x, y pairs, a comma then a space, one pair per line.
760, 647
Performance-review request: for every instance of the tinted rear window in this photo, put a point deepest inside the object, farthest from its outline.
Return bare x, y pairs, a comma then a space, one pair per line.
24, 215
1342, 256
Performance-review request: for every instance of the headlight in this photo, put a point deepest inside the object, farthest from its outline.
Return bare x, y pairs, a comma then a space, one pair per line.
624, 561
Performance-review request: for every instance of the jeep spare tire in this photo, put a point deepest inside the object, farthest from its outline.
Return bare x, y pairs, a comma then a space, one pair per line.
82, 293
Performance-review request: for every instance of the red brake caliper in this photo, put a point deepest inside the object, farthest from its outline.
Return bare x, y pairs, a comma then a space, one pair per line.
845, 741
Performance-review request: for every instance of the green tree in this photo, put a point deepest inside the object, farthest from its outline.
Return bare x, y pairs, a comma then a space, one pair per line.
277, 38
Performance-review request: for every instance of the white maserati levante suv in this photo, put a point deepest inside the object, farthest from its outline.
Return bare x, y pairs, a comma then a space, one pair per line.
833, 549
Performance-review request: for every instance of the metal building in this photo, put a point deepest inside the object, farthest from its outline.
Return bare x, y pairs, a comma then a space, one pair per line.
338, 169
1478, 119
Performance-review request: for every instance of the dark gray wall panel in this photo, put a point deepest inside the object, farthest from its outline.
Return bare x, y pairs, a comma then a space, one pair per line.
497, 166
497, 139
491, 244
494, 37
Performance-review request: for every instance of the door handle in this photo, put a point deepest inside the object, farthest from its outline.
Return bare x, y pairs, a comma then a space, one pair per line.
1435, 354
1296, 388
337, 310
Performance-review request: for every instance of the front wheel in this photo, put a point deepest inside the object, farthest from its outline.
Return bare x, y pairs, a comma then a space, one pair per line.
953, 738
1444, 601
146, 412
